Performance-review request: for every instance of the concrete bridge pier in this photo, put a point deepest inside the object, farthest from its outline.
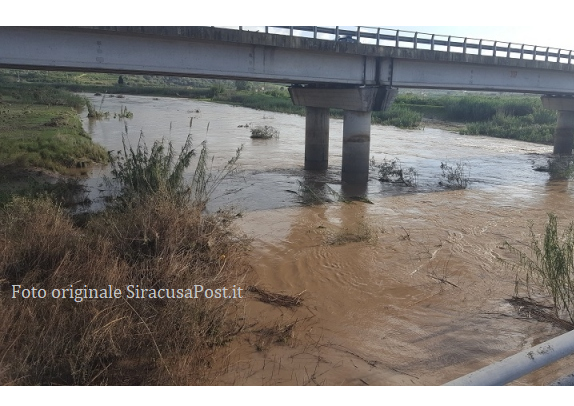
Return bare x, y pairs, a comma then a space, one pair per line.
356, 146
316, 138
357, 104
564, 132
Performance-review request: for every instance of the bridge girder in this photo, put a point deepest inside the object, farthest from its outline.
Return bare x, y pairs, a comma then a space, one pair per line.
199, 55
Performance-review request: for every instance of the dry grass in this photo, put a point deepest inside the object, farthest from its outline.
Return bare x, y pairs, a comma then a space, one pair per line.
159, 244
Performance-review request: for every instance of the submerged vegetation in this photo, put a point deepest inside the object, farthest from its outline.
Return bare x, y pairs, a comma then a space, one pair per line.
550, 266
264, 132
393, 172
455, 176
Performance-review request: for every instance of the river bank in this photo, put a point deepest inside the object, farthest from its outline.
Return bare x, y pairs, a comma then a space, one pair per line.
42, 142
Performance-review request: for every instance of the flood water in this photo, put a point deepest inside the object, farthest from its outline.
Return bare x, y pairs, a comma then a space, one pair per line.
419, 299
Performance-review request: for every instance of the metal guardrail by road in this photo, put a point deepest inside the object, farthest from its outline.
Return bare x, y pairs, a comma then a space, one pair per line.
418, 40
512, 368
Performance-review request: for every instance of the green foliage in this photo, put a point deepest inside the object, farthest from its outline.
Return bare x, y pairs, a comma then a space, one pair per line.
392, 171
470, 108
141, 172
264, 132
96, 114
552, 265
42, 95
243, 85
124, 113
523, 128
398, 116
51, 136
217, 89
457, 176
262, 101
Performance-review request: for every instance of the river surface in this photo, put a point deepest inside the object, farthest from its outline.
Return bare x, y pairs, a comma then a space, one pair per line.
409, 289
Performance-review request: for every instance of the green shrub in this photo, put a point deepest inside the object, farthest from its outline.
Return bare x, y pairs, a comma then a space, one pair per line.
264, 132
551, 265
457, 176
392, 171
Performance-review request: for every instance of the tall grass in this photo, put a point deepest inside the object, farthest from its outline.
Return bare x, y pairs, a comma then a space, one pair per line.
398, 116
140, 172
550, 265
158, 237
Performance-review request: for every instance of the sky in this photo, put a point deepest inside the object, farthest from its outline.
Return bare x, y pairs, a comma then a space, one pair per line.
541, 23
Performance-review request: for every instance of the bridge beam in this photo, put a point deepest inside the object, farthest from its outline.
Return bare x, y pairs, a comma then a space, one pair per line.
357, 104
564, 132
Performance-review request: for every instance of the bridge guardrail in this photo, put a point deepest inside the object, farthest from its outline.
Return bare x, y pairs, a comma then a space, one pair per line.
518, 365
419, 40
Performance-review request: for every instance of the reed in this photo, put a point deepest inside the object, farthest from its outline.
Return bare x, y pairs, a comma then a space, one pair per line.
550, 265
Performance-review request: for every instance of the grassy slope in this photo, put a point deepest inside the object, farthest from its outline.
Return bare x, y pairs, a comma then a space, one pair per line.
41, 128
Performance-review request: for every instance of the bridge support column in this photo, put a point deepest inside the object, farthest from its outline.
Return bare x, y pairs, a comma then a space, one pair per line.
564, 132
317, 138
356, 145
357, 102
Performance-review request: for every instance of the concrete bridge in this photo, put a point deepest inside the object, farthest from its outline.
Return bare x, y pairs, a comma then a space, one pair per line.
358, 70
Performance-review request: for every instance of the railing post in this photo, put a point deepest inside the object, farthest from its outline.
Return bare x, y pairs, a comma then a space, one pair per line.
546, 58
464, 46
266, 29
397, 39
569, 57
337, 33
240, 28
522, 52
508, 50
480, 47
378, 38
359, 34
432, 43
291, 31
558, 57
494, 49
534, 54
415, 40
448, 45
315, 32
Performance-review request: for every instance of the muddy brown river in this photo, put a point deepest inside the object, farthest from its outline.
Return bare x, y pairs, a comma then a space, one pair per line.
409, 289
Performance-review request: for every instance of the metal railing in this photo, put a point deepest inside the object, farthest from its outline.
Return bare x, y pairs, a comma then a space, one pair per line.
419, 40
518, 365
